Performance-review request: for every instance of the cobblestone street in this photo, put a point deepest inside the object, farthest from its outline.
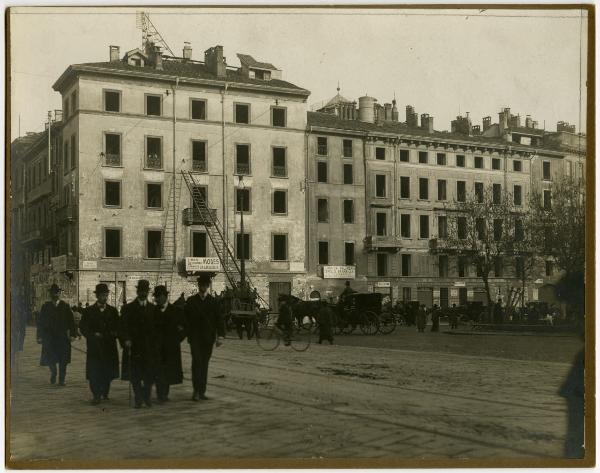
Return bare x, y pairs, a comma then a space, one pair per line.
330, 401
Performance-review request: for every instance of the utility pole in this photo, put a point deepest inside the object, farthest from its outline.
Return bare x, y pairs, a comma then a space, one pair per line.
49, 139
243, 245
173, 184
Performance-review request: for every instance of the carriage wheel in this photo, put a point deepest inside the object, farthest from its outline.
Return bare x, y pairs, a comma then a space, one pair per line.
300, 341
387, 324
369, 323
268, 338
263, 319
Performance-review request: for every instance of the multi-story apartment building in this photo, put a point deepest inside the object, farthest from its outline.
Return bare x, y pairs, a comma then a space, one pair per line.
132, 124
408, 176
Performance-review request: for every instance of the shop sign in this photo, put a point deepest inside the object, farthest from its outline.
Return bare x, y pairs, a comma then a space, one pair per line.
202, 264
338, 272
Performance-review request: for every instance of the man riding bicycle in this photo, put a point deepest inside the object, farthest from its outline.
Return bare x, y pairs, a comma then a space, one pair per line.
284, 321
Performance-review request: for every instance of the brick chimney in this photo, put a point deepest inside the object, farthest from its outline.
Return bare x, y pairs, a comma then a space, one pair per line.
187, 50
427, 122
215, 62
115, 55
158, 64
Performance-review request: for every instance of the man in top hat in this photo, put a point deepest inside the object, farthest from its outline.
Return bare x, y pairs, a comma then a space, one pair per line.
141, 335
99, 325
204, 328
172, 320
56, 329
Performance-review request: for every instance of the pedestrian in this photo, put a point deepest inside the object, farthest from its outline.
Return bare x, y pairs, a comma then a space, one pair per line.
99, 325
498, 312
56, 329
421, 318
171, 320
141, 335
453, 317
204, 328
180, 302
435, 318
325, 319
285, 319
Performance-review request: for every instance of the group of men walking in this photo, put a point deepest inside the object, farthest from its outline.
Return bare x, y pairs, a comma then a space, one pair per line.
150, 336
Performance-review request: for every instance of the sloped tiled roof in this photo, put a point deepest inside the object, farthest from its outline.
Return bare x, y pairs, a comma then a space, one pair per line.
182, 69
249, 61
336, 100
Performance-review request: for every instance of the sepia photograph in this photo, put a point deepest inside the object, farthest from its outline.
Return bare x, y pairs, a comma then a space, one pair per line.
299, 236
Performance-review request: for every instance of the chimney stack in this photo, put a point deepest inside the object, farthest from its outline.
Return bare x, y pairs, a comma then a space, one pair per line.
215, 62
394, 111
187, 50
158, 64
487, 123
427, 122
528, 121
388, 112
412, 118
114, 54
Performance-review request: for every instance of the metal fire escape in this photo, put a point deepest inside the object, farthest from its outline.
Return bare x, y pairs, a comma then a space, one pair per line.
168, 261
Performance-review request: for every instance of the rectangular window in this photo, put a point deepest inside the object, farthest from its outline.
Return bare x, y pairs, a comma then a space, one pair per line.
517, 165
547, 199
242, 159
242, 113
478, 162
549, 268
348, 174
404, 156
519, 230
517, 195
423, 157
279, 162
199, 244
496, 164
73, 102
480, 228
441, 189
380, 153
348, 253
546, 170
112, 193
242, 251
73, 151
153, 244
242, 200
461, 227
519, 267
66, 109
278, 116
322, 210
154, 195
112, 149
381, 224
406, 265
442, 227
153, 152
380, 185
348, 211
443, 266
199, 156
479, 192
347, 147
153, 105
321, 171
498, 229
406, 294
462, 267
322, 146
441, 159
461, 191
423, 226
280, 202
405, 187
496, 194
498, 267
382, 264
460, 160
323, 252
112, 243
66, 164
280, 247
405, 225
423, 188
112, 101
201, 193
198, 107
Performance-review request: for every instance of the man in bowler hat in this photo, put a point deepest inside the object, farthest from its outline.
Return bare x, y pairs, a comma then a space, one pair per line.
99, 325
141, 335
172, 322
56, 329
205, 328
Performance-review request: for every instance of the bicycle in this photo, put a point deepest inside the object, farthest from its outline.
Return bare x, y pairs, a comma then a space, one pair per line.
269, 337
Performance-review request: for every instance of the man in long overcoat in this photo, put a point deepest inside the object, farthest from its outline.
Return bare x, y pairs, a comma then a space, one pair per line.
100, 325
56, 329
173, 332
326, 320
421, 318
204, 328
141, 335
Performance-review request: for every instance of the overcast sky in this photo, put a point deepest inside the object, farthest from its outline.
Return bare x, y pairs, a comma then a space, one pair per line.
439, 61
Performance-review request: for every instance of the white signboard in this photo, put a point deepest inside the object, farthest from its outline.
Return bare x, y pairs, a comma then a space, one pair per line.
383, 284
89, 264
459, 284
59, 263
202, 264
338, 272
534, 294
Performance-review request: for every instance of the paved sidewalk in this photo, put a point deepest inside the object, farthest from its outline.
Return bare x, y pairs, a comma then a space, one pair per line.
338, 401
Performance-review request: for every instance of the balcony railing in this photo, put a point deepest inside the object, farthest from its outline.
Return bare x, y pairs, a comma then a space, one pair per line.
199, 165
382, 243
66, 214
279, 171
242, 168
196, 217
154, 161
113, 159
322, 150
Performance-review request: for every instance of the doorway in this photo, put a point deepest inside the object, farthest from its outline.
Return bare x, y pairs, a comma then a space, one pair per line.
275, 289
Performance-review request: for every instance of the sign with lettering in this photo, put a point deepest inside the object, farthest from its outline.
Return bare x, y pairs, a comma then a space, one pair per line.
89, 264
459, 284
202, 264
339, 272
383, 284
